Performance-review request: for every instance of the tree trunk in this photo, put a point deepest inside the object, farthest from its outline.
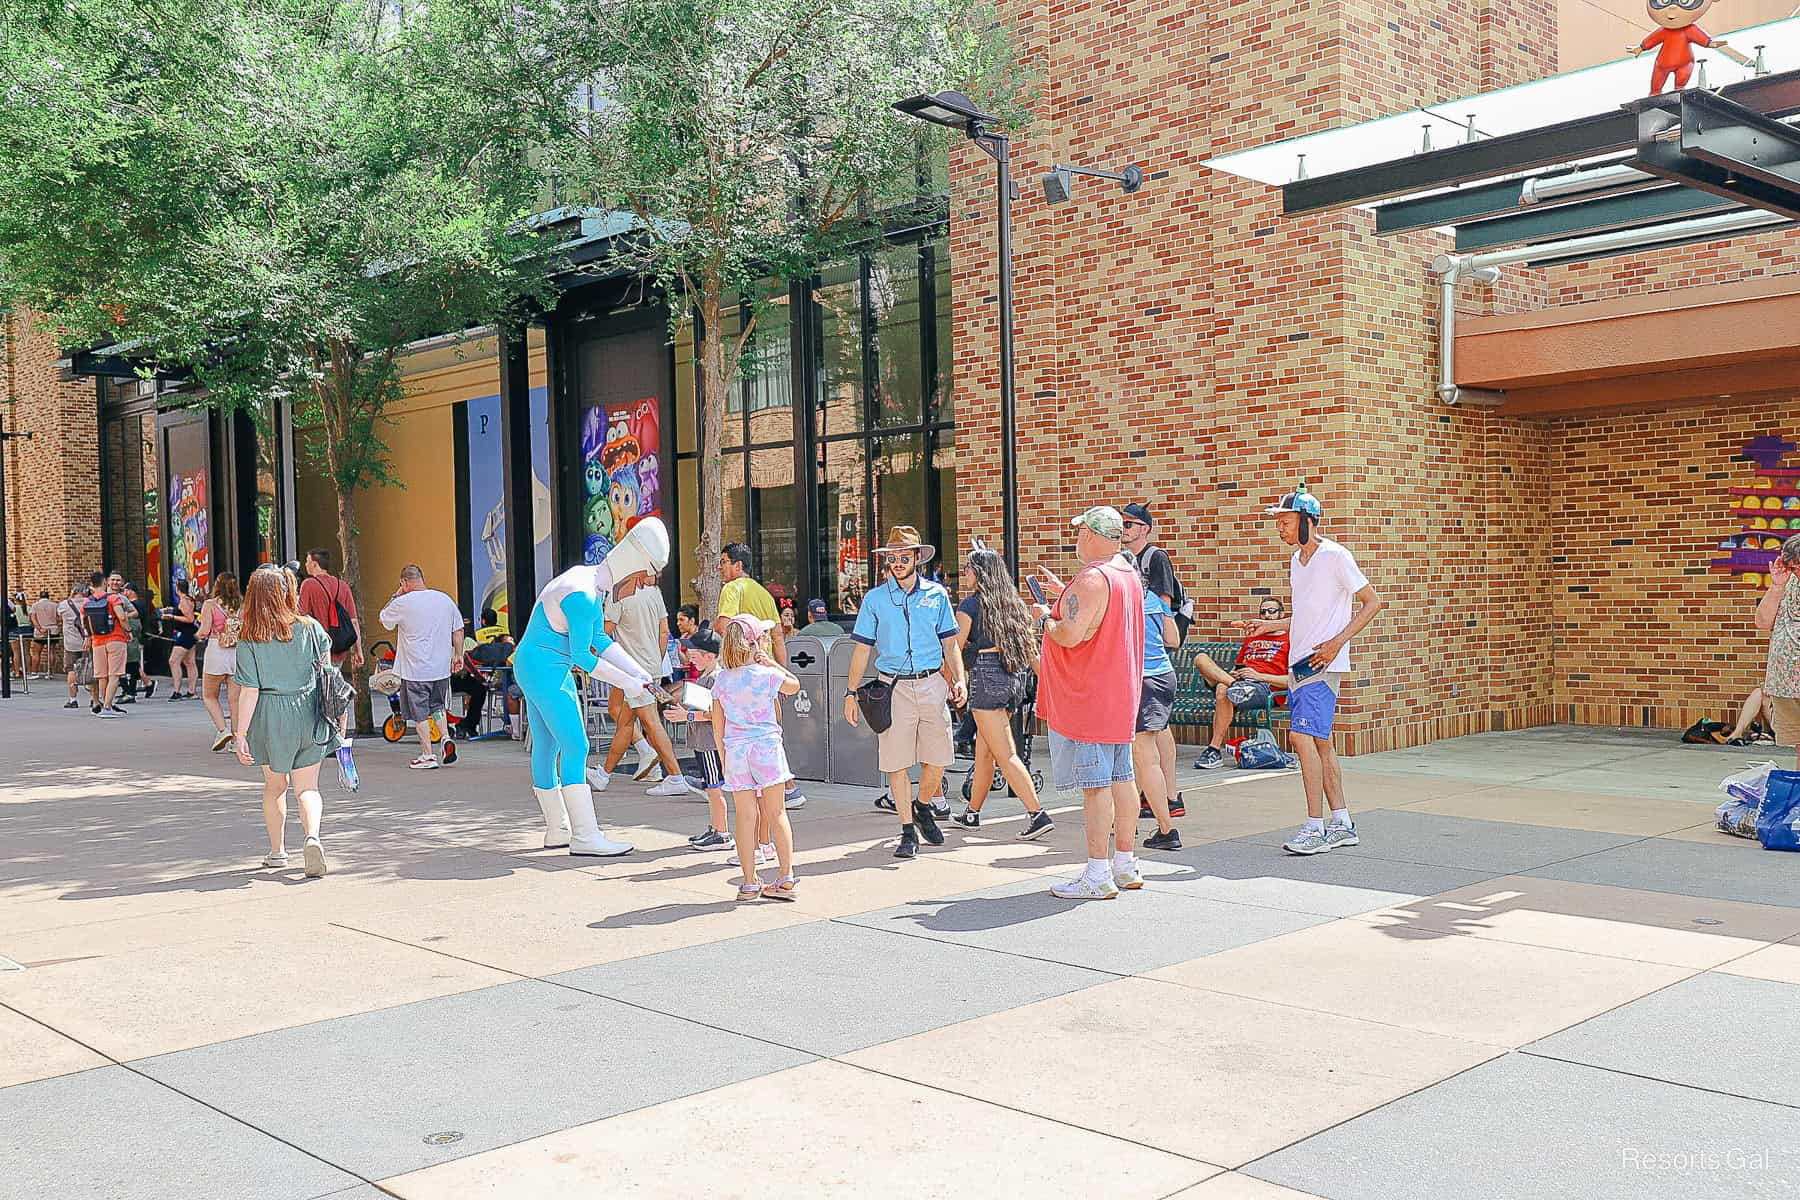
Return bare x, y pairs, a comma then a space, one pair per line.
715, 379
352, 576
336, 391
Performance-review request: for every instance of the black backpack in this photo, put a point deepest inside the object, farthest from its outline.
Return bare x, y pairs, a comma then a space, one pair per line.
1705, 732
97, 612
341, 632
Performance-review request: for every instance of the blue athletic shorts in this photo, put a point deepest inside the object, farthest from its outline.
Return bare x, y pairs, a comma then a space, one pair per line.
1312, 705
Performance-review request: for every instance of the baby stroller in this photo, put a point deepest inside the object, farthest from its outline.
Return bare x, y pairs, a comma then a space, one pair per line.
386, 681
1024, 727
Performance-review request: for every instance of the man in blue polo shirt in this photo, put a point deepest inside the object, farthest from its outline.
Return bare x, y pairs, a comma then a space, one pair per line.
906, 621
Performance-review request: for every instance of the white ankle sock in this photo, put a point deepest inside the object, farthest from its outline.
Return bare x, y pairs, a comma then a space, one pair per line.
1123, 860
1340, 816
1315, 824
1098, 869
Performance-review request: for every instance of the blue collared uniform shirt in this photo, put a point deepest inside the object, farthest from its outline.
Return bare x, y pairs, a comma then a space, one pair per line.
907, 629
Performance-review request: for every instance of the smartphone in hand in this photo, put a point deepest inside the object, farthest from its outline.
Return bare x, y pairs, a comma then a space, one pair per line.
1037, 589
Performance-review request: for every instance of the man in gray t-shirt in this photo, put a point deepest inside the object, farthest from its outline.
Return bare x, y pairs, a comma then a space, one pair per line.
640, 624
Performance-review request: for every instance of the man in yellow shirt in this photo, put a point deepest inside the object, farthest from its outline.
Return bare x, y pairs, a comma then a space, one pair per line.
742, 594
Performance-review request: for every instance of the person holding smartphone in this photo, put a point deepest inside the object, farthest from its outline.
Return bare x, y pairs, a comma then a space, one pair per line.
1333, 602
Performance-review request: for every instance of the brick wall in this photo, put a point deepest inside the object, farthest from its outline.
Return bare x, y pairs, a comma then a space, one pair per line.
52, 494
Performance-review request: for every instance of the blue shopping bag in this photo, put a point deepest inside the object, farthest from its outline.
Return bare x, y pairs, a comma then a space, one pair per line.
1778, 823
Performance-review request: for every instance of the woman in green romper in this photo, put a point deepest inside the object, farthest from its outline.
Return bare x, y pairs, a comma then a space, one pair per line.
276, 720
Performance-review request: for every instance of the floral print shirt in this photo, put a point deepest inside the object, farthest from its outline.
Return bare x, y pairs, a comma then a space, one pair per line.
1783, 675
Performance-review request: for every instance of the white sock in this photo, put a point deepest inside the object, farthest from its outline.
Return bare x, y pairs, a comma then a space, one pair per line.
1340, 816
1124, 860
1098, 869
642, 746
1315, 824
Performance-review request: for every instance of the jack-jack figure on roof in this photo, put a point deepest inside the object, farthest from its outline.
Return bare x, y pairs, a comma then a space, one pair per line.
1678, 32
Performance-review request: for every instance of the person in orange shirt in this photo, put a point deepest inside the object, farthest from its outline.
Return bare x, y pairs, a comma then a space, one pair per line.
104, 619
1678, 33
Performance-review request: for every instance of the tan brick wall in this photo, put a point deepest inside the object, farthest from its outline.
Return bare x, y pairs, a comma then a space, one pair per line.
52, 494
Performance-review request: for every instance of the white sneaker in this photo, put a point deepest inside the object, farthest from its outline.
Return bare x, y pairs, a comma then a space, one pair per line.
1083, 888
425, 762
765, 854
653, 775
1128, 880
647, 761
795, 798
221, 740
598, 778
315, 858
276, 861
674, 785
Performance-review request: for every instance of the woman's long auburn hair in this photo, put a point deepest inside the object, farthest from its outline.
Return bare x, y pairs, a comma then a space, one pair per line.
270, 611
1003, 614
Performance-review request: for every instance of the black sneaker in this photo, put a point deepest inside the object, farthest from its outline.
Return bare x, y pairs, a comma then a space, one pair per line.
909, 843
1164, 841
150, 689
449, 754
1211, 759
712, 839
968, 818
1144, 813
1038, 826
96, 709
1177, 806
73, 704
884, 802
927, 823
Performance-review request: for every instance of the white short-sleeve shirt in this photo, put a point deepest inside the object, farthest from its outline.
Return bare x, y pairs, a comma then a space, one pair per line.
1324, 595
422, 621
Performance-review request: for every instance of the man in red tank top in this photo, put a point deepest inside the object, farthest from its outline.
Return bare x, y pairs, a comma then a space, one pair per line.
1090, 680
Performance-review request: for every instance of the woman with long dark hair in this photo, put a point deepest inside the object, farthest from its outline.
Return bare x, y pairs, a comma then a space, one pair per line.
999, 648
219, 627
183, 626
276, 722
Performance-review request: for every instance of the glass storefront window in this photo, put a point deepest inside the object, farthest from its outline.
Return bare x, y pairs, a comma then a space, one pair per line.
150, 530
842, 570
840, 398
949, 535
774, 521
945, 402
737, 499
894, 304
768, 379
733, 432
685, 366
900, 484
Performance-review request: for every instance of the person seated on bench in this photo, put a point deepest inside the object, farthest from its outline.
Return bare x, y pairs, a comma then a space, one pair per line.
1262, 662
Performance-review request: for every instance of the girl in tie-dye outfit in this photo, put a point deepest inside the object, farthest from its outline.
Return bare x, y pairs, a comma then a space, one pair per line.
756, 770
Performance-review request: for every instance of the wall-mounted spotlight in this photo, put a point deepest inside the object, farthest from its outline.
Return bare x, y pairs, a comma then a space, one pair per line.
1059, 181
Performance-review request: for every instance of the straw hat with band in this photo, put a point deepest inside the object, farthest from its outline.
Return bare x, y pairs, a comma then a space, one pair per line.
904, 539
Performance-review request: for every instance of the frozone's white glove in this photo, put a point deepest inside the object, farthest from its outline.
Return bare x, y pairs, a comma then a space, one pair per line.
620, 669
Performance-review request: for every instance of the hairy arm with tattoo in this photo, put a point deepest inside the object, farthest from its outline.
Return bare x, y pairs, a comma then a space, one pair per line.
1083, 608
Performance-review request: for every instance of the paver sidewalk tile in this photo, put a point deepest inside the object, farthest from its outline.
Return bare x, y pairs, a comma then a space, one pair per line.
1674, 1035
855, 986
1740, 871
1780, 963
29, 1051
1332, 885
1494, 847
1523, 1127
161, 999
111, 1133
818, 1132
1486, 991
1153, 927
496, 1066
1638, 816
1235, 1186
1215, 1077
1681, 931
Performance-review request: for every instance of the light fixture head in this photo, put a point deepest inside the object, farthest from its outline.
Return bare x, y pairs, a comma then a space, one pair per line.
1058, 183
953, 110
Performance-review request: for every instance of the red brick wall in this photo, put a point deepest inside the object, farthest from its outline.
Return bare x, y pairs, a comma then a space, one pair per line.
52, 492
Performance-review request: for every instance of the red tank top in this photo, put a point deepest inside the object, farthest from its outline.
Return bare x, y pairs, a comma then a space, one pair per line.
1090, 692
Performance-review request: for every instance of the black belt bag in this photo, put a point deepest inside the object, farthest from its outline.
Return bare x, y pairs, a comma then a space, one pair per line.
876, 700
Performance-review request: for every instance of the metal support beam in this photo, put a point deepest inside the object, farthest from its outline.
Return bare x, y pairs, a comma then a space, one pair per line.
1629, 211
1714, 145
515, 441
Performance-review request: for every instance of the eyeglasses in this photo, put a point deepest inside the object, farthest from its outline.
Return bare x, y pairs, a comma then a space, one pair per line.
1130, 524
1685, 5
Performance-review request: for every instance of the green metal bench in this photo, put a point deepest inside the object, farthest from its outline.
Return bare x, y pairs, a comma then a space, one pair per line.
1194, 699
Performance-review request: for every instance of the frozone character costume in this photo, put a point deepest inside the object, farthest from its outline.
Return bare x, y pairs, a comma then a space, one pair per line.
567, 631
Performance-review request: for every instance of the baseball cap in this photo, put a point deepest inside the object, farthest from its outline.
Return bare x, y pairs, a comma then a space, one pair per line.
1137, 512
816, 609
704, 640
1104, 520
1299, 500
756, 625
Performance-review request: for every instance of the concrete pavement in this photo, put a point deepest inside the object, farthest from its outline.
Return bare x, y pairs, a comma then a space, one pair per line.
1539, 975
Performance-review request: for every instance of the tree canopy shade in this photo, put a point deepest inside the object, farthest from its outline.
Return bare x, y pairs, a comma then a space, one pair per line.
750, 137
273, 195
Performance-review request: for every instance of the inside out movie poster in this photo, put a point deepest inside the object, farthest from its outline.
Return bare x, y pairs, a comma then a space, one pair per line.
621, 446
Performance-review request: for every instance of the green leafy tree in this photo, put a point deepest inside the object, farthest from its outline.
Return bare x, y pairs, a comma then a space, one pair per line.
751, 139
272, 196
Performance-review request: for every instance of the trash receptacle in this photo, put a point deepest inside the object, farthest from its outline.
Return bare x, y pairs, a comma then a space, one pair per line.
852, 757
805, 717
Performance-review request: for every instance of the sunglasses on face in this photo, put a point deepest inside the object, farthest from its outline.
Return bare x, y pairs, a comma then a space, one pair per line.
1270, 612
1129, 524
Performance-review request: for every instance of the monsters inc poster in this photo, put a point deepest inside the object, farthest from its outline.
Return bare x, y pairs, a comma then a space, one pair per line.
621, 448
190, 539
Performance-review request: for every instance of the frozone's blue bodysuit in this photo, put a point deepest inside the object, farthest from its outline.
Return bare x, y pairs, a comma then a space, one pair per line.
567, 630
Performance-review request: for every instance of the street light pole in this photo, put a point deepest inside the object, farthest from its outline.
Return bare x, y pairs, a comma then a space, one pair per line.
5, 583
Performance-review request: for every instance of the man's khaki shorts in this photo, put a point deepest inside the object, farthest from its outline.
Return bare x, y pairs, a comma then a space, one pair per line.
109, 659
921, 729
1784, 713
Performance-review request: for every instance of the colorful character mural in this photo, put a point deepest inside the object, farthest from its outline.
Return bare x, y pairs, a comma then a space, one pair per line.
1766, 511
621, 479
153, 547
1676, 34
190, 537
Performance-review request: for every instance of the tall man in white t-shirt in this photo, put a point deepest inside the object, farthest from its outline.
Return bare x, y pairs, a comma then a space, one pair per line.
1333, 602
428, 636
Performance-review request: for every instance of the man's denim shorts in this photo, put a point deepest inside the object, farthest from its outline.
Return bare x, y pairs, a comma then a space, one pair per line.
1076, 765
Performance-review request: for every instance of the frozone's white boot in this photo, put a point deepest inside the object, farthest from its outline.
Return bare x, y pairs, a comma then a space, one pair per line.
585, 838
556, 817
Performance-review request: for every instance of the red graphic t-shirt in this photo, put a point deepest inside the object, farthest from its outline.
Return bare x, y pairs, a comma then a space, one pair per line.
1266, 652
